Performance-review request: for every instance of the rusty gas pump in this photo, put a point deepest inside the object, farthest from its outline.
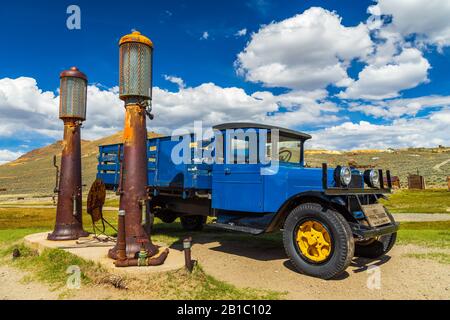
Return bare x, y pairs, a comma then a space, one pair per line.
136, 52
72, 110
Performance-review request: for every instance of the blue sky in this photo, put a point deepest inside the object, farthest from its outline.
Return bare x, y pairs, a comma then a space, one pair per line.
355, 74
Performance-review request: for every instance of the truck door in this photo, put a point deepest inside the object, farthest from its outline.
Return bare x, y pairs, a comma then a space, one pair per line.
238, 184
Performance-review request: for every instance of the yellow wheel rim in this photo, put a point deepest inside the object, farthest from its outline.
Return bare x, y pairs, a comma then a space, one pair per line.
314, 241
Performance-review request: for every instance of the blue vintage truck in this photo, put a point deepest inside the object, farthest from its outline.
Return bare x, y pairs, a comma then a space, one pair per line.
327, 215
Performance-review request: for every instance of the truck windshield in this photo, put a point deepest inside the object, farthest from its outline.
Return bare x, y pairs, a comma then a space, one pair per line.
290, 150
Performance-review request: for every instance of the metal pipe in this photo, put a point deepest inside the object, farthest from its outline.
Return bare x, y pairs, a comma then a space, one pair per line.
187, 245
149, 262
121, 238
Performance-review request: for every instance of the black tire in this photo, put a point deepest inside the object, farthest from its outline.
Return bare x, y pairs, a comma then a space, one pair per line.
167, 216
193, 223
376, 248
341, 237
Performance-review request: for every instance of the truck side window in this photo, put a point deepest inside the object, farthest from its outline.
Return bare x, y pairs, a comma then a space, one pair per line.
240, 149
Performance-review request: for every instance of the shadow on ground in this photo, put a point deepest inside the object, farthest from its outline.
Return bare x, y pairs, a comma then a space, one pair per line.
267, 247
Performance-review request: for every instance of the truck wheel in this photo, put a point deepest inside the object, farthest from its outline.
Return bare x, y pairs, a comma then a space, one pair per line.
375, 248
167, 216
193, 223
318, 241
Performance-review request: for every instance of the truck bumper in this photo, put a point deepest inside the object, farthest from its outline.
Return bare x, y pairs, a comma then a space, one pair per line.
365, 232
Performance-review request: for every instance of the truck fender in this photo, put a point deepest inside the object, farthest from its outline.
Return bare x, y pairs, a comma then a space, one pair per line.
307, 197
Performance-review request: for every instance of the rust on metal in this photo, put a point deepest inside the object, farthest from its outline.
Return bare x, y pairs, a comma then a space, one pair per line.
121, 253
187, 246
156, 260
96, 200
134, 182
73, 72
69, 224
134, 246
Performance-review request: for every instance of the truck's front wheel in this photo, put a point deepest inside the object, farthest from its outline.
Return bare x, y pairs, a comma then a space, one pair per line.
318, 241
193, 223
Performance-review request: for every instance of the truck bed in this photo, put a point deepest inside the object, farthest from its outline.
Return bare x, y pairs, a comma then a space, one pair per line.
162, 172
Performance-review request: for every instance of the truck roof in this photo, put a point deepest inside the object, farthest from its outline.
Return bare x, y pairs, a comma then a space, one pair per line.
247, 125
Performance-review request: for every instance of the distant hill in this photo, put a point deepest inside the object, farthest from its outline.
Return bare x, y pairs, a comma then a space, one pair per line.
432, 163
33, 173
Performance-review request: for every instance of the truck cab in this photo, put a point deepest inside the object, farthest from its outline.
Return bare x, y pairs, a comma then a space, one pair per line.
253, 178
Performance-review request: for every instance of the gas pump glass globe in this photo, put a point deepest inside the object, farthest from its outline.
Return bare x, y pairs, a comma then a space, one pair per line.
73, 95
136, 66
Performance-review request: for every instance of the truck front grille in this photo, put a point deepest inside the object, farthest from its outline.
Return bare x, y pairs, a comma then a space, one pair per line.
357, 181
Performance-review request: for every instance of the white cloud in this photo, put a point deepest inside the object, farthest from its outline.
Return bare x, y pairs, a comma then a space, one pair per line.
27, 110
213, 104
397, 108
205, 36
428, 19
308, 51
241, 33
429, 131
405, 71
176, 80
7, 156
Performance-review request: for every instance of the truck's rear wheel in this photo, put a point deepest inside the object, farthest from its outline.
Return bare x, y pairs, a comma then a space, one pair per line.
193, 223
375, 248
318, 241
167, 216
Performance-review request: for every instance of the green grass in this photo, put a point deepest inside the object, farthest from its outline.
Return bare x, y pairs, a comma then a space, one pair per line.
429, 234
50, 267
419, 201
440, 257
181, 285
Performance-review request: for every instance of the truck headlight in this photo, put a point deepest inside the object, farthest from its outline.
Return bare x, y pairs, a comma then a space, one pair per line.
372, 178
344, 175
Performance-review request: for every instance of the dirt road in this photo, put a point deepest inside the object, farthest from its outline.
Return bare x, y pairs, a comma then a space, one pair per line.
421, 217
400, 277
14, 288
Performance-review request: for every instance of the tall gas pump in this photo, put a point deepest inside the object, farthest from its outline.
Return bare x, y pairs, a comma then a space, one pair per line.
72, 110
136, 54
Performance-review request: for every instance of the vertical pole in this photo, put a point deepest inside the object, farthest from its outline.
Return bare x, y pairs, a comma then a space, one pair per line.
134, 185
121, 241
69, 225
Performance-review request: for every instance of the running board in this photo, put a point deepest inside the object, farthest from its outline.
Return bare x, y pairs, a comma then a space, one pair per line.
233, 227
